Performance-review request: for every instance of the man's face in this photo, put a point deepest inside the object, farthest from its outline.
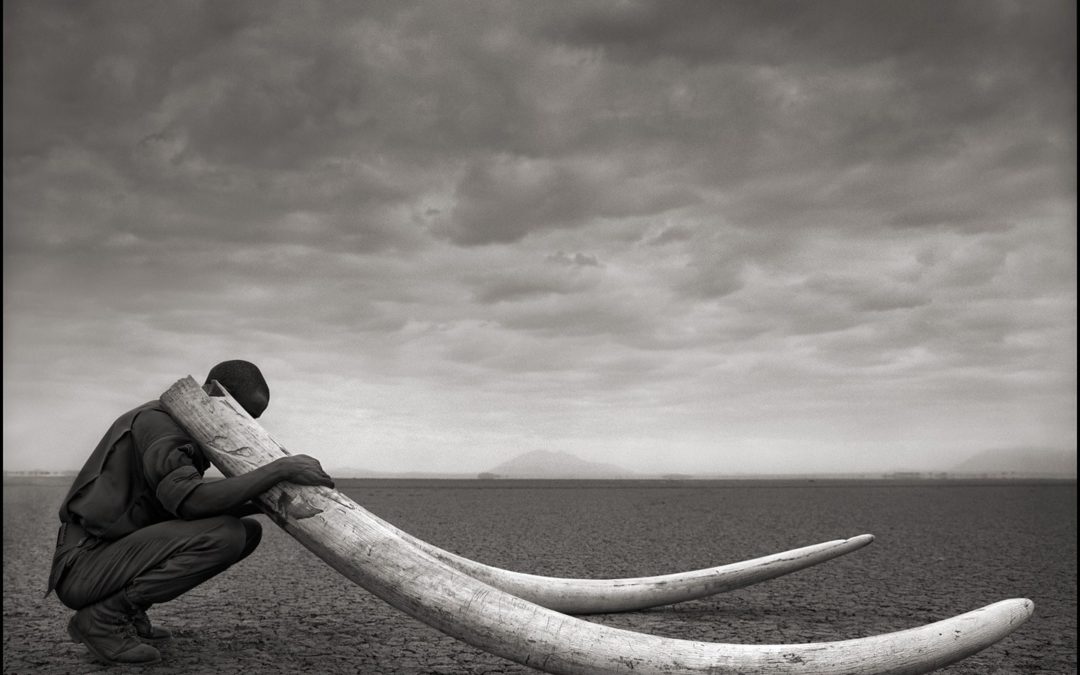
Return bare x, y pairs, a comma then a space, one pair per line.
255, 402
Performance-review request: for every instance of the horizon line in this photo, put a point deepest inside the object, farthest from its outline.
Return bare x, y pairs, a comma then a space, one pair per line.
673, 476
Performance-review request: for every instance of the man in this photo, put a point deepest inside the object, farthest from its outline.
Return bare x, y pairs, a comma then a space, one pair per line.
141, 525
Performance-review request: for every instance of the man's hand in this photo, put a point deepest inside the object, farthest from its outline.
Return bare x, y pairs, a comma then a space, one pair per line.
302, 470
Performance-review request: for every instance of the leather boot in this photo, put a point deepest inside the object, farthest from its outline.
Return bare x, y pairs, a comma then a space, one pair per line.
146, 631
106, 630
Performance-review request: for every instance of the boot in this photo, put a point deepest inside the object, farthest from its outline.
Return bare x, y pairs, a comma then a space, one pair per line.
146, 631
106, 630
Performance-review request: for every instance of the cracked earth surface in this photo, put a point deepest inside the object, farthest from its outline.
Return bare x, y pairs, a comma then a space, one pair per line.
941, 550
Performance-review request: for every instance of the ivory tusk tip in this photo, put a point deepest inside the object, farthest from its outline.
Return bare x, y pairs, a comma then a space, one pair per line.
1015, 610
1023, 607
862, 540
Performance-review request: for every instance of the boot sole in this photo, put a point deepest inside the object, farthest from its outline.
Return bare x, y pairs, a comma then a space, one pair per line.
78, 638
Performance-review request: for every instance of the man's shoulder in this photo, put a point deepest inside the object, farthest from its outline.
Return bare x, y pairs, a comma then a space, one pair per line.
153, 415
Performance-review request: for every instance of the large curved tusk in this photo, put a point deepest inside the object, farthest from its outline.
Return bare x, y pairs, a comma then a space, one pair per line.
598, 596
363, 549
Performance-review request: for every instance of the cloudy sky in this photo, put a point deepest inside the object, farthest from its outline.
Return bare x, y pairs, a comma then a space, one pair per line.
689, 236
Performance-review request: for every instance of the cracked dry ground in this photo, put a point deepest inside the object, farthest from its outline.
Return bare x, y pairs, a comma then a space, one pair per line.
941, 550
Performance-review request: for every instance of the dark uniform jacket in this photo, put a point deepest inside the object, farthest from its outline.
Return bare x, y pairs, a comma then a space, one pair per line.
138, 475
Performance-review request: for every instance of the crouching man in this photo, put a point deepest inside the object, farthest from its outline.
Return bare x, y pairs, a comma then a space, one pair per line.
141, 525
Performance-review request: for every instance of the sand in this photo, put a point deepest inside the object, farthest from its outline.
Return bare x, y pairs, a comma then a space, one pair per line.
941, 550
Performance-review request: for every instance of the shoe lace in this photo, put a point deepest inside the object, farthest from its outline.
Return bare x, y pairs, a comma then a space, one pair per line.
140, 621
124, 626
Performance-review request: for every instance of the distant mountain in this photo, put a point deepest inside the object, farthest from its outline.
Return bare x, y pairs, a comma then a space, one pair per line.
1021, 462
546, 464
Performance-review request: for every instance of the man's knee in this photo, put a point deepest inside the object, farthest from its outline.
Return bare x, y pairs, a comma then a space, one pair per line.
254, 529
225, 538
253, 535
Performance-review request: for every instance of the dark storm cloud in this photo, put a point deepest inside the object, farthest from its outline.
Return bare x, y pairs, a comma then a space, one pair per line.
868, 294
145, 111
559, 274
577, 260
845, 33
503, 199
253, 110
832, 114
671, 234
491, 218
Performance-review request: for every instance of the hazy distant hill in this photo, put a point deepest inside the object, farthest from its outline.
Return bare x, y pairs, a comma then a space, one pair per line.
547, 464
1021, 461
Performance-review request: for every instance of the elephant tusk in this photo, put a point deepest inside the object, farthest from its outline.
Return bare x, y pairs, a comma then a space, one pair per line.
376, 557
598, 596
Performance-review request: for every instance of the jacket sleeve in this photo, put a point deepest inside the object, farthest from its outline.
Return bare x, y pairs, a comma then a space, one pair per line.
172, 462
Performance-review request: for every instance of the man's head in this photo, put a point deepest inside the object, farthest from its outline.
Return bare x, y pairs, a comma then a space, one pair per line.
244, 382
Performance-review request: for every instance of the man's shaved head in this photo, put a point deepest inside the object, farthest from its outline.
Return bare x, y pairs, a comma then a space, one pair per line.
245, 383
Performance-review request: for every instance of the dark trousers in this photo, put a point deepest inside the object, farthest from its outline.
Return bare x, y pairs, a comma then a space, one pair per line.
157, 563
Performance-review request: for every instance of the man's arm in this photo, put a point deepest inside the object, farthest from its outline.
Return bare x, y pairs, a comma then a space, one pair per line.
244, 510
212, 498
